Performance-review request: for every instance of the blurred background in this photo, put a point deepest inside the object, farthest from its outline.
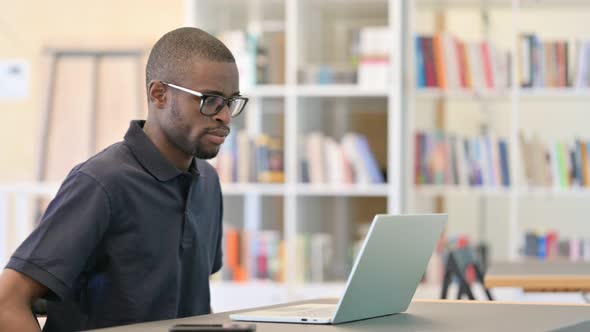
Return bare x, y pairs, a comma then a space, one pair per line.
475, 108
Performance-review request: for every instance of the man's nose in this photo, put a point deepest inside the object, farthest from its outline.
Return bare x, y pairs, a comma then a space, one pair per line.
223, 116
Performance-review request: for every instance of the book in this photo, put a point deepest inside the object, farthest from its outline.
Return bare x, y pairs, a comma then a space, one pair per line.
444, 61
447, 159
420, 67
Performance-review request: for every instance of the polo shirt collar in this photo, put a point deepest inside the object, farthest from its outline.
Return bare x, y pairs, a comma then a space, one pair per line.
150, 157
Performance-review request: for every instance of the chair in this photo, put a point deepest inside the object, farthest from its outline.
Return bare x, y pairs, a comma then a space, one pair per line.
458, 261
39, 307
39, 310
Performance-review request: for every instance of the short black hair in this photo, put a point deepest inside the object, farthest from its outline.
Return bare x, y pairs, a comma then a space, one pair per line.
172, 54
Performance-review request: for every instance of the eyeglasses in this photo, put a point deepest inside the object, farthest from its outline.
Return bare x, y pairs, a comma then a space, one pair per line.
212, 104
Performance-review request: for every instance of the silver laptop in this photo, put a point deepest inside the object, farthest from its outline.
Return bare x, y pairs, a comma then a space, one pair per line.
385, 275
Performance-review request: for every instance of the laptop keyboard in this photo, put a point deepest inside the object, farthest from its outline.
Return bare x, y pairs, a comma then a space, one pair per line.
320, 312
309, 310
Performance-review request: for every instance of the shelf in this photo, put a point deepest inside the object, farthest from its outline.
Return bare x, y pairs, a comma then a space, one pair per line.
555, 192
227, 295
433, 93
555, 93
560, 4
315, 90
267, 189
343, 190
265, 91
247, 284
348, 4
268, 288
435, 190
504, 4
42, 189
342, 90
435, 4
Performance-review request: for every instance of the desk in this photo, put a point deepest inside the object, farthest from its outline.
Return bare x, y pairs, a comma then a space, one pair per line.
422, 315
536, 276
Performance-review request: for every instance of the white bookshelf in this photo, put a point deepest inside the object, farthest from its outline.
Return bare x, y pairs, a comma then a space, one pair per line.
344, 90
477, 4
265, 91
304, 45
583, 193
549, 112
354, 190
432, 93
537, 93
526, 94
439, 190
538, 192
304, 204
341, 190
238, 189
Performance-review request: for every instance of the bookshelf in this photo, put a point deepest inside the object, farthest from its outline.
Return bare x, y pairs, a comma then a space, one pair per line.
321, 91
318, 94
266, 91
344, 90
337, 190
438, 190
237, 189
432, 93
551, 112
343, 190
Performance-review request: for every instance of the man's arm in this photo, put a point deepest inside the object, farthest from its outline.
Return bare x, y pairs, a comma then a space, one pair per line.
17, 293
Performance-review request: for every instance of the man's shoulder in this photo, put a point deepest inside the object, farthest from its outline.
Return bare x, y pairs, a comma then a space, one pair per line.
110, 165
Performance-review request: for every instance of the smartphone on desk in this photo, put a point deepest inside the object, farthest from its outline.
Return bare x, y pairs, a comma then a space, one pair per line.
227, 327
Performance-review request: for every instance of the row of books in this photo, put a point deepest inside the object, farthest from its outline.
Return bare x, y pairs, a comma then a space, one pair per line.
314, 253
327, 74
443, 61
373, 56
366, 61
243, 158
260, 58
549, 246
327, 161
252, 255
446, 159
554, 63
259, 255
555, 164
543, 64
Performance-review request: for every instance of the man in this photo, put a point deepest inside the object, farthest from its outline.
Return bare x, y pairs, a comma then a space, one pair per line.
135, 232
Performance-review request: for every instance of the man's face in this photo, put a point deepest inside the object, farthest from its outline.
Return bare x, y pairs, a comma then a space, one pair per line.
187, 129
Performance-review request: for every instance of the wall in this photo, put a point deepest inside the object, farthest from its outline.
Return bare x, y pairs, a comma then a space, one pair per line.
28, 27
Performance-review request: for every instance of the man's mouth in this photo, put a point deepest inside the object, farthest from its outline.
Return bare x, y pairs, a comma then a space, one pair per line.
217, 136
221, 131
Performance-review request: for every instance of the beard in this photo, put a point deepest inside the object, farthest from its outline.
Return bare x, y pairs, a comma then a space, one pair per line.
178, 135
199, 151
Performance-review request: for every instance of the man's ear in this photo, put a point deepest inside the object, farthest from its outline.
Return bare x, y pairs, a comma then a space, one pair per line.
157, 94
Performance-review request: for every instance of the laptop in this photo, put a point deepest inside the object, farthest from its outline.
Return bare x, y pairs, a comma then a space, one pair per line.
385, 275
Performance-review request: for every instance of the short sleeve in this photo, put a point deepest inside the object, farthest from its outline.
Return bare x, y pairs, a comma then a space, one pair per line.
56, 252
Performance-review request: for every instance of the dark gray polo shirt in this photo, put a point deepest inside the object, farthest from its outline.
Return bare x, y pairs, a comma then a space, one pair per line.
128, 238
